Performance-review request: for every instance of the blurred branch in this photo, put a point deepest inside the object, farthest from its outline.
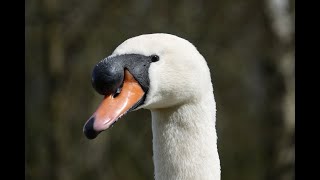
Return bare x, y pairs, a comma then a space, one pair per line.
281, 18
282, 22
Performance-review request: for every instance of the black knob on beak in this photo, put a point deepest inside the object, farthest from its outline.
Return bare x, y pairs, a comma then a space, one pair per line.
107, 76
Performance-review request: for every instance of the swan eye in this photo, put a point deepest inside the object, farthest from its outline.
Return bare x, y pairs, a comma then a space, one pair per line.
155, 58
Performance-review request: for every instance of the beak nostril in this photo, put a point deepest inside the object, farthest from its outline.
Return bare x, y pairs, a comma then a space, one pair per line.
117, 92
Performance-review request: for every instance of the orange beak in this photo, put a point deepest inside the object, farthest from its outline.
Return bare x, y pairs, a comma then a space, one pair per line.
112, 108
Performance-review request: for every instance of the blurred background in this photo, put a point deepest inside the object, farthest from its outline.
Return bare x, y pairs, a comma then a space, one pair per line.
250, 49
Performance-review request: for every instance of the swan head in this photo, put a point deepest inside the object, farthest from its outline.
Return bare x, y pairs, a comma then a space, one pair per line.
150, 71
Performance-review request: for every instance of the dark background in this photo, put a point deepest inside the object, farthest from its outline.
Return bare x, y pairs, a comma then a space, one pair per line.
250, 49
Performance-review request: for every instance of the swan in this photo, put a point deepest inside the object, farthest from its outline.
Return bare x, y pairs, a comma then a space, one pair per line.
167, 75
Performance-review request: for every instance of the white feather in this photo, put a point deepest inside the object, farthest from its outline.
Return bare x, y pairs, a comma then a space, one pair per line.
183, 108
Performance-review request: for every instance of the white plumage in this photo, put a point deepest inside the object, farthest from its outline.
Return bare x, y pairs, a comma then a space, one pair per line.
183, 108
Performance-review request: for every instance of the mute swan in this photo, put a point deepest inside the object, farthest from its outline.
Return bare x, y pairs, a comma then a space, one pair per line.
167, 75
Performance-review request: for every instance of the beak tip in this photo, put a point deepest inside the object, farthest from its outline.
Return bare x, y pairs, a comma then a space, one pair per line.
88, 129
91, 134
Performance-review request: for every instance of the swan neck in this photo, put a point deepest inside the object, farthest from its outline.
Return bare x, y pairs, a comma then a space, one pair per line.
185, 142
